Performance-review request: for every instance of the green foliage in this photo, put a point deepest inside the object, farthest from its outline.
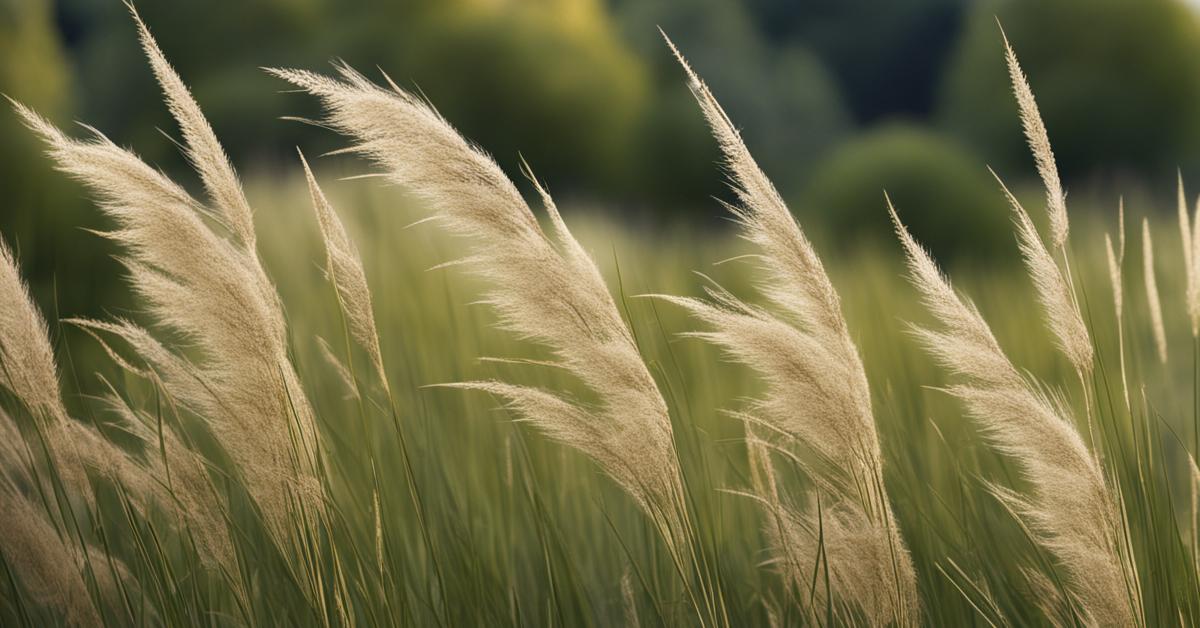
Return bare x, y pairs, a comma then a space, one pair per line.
547, 79
32, 64
949, 201
219, 45
789, 108
1117, 82
887, 56
40, 209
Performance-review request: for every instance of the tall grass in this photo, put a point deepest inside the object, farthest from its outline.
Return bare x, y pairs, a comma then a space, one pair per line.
279, 434
545, 287
816, 413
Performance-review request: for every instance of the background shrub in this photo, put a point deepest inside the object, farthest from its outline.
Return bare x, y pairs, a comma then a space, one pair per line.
1118, 83
949, 201
788, 104
42, 210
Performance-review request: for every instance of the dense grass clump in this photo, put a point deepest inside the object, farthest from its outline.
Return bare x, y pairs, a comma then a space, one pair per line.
494, 419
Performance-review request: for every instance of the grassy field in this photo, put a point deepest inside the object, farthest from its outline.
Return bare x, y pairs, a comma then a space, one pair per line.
154, 500
559, 537
524, 531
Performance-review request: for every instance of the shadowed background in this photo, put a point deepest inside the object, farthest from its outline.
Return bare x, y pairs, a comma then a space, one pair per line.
839, 99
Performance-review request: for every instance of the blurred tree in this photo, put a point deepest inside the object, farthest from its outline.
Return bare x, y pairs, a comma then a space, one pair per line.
546, 78
1117, 82
887, 56
218, 46
942, 191
41, 210
782, 98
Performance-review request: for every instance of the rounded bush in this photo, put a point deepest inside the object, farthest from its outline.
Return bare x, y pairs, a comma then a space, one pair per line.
555, 85
942, 192
1117, 83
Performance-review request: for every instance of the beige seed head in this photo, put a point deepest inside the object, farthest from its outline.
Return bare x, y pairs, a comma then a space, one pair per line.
50, 570
48, 564
182, 483
1114, 276
1152, 301
1039, 145
544, 286
345, 270
29, 371
27, 366
203, 149
1062, 310
211, 290
1187, 242
817, 409
1069, 507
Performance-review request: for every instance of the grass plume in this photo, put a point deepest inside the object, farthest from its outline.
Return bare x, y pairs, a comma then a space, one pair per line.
545, 287
1039, 145
50, 567
211, 290
1070, 507
29, 371
817, 409
1189, 235
1053, 290
345, 270
1152, 301
26, 355
192, 477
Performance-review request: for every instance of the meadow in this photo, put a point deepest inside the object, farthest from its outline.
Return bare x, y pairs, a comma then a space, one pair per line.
314, 459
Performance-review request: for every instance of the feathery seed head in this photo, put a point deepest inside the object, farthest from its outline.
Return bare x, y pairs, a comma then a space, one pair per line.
210, 290
49, 569
1187, 241
1062, 310
544, 288
182, 484
1114, 275
48, 565
1152, 300
27, 366
203, 149
28, 369
795, 277
817, 408
345, 270
1039, 145
1070, 507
